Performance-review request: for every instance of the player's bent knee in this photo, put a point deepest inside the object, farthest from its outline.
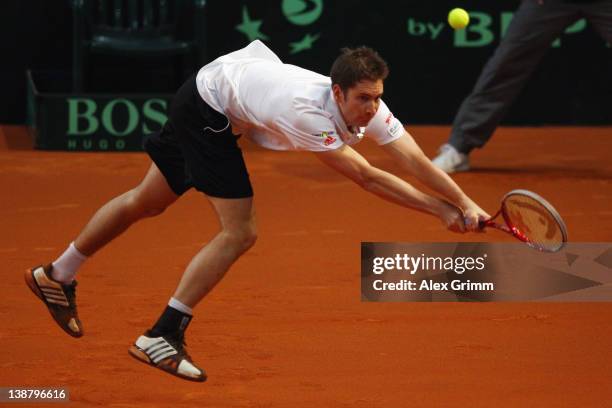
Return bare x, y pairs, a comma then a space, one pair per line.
248, 239
244, 238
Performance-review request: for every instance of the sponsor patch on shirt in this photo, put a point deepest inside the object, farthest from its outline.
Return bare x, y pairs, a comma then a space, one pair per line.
329, 140
394, 126
324, 134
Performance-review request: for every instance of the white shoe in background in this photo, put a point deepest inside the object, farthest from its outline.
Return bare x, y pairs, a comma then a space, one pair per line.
450, 160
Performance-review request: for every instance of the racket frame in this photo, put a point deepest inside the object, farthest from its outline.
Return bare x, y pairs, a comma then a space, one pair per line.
509, 228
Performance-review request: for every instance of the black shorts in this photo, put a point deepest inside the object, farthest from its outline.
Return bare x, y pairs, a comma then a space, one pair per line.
196, 148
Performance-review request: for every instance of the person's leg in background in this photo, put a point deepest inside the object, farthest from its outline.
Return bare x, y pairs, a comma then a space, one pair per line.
533, 28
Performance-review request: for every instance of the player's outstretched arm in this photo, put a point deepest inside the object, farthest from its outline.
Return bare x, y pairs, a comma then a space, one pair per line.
351, 164
409, 155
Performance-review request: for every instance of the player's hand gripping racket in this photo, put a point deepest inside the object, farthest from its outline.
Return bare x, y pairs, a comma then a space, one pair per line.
531, 219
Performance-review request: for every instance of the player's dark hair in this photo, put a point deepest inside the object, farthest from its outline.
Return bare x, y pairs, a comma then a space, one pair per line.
357, 64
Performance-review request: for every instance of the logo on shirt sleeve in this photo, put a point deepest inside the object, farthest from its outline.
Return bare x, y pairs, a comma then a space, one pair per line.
394, 126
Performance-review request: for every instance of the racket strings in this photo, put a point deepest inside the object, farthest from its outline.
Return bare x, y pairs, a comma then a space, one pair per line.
532, 220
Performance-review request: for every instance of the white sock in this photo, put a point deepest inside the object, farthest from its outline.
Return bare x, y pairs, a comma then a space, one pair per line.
181, 307
66, 266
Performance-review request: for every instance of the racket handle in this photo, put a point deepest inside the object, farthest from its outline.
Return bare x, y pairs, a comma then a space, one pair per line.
481, 223
493, 224
488, 223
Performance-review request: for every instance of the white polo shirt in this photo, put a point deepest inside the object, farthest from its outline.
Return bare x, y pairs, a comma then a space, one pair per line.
282, 106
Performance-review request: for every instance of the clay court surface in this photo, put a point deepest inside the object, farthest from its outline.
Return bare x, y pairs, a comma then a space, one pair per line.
286, 327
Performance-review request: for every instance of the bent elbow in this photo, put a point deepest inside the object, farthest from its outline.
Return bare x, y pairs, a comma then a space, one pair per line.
366, 179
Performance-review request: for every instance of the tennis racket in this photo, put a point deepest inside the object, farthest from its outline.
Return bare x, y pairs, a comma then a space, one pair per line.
531, 219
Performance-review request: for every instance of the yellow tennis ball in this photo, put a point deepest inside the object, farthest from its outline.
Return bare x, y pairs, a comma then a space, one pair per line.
458, 18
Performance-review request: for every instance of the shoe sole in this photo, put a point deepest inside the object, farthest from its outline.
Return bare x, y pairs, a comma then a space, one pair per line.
31, 283
139, 355
463, 167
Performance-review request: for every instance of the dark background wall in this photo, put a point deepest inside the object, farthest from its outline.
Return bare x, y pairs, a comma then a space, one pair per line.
429, 77
33, 34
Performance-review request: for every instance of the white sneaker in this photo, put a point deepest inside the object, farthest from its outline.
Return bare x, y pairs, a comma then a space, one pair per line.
450, 160
167, 353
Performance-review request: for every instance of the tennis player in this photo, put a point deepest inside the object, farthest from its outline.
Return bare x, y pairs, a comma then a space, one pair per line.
279, 106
